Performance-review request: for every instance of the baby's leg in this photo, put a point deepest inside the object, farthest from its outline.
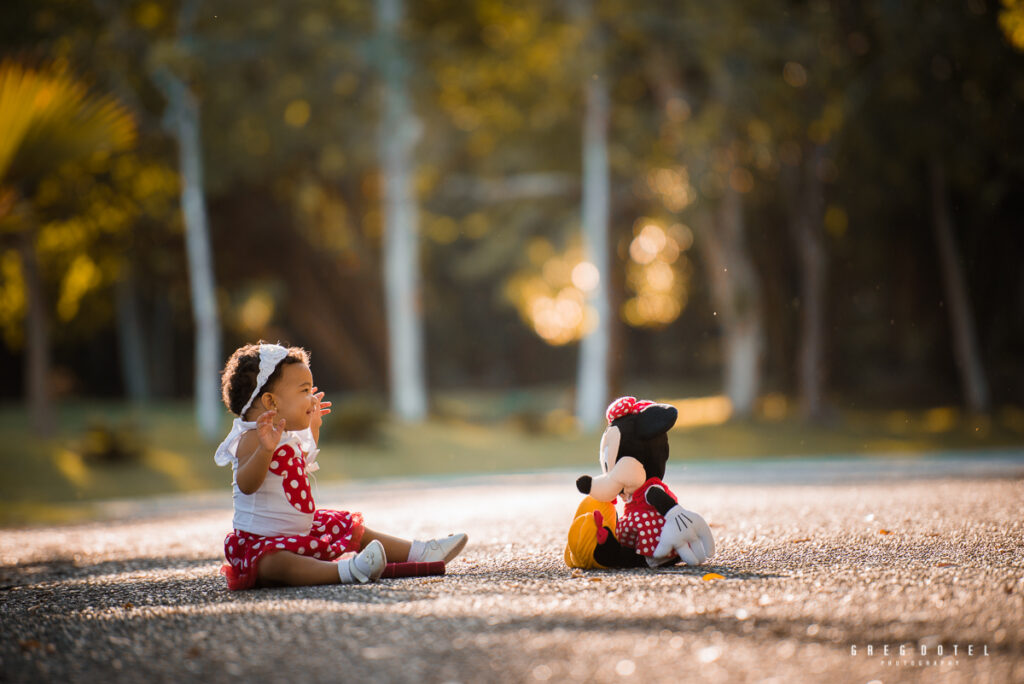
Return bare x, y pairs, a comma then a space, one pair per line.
396, 548
285, 567
399, 549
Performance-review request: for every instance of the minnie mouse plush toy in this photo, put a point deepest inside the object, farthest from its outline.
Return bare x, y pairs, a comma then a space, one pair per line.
654, 529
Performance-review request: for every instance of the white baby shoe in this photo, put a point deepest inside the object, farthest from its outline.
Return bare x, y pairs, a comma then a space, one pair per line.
438, 549
365, 566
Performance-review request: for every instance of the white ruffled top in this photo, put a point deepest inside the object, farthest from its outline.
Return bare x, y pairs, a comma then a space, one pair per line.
267, 511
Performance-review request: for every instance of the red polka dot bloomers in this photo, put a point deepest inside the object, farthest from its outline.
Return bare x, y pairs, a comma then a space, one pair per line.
284, 501
640, 525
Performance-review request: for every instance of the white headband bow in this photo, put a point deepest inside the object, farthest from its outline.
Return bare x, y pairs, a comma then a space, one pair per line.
270, 356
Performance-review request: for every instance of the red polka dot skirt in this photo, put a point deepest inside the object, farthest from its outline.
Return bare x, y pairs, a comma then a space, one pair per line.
641, 532
640, 526
332, 534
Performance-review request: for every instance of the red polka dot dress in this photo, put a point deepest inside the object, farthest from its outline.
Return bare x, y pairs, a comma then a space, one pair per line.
282, 516
640, 526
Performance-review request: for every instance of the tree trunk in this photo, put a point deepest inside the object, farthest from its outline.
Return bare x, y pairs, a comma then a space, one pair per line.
132, 356
592, 383
807, 215
37, 339
184, 123
734, 289
397, 137
961, 317
162, 348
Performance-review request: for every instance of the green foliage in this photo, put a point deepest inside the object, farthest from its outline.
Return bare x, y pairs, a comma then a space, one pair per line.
104, 443
709, 94
1011, 20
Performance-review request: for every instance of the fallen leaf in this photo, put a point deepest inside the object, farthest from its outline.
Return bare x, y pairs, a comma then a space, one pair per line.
932, 534
576, 572
801, 540
595, 579
946, 565
884, 532
712, 576
129, 605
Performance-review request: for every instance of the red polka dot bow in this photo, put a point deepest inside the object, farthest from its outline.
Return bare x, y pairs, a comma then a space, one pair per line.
624, 406
290, 465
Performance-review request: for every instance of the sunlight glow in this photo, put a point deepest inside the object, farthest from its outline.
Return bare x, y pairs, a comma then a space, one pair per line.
701, 411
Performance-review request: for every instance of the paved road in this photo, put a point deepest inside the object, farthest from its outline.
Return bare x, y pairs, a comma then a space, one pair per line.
819, 559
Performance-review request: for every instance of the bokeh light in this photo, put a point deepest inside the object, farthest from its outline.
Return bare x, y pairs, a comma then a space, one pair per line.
657, 273
551, 295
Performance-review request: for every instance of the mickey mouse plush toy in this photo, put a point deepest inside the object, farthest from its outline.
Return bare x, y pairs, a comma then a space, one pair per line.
654, 529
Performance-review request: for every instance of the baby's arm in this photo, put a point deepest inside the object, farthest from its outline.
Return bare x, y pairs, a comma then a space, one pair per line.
255, 449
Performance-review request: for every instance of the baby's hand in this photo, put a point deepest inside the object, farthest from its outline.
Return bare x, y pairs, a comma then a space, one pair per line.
269, 432
320, 408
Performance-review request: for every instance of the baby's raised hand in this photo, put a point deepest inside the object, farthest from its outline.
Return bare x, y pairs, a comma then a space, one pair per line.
320, 407
269, 432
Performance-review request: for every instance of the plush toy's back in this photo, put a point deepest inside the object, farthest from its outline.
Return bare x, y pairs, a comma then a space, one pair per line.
587, 530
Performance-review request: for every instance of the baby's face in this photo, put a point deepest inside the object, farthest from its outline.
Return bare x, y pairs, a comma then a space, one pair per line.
293, 396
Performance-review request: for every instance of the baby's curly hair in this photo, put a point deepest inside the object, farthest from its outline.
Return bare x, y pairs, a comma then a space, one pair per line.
238, 379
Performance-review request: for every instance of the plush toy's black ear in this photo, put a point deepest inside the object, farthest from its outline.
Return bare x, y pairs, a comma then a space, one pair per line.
655, 420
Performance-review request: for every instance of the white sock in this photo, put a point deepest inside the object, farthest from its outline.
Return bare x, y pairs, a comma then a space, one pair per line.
443, 549
345, 571
416, 551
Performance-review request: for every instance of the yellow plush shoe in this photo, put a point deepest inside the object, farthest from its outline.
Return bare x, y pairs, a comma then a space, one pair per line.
587, 528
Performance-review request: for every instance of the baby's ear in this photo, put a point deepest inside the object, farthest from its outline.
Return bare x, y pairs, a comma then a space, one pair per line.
655, 420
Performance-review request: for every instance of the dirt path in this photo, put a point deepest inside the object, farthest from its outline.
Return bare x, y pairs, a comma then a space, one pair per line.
812, 572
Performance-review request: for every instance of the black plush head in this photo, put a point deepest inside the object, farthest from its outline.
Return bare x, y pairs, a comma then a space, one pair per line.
644, 436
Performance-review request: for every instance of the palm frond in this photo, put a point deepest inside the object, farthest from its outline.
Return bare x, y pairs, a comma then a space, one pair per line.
48, 118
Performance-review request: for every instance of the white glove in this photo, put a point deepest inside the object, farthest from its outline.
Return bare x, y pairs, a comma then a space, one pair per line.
686, 534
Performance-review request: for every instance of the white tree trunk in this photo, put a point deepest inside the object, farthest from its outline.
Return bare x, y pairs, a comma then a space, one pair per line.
592, 374
961, 316
742, 372
735, 291
397, 137
184, 124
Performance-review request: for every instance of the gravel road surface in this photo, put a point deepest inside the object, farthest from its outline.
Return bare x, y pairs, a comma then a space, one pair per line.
829, 568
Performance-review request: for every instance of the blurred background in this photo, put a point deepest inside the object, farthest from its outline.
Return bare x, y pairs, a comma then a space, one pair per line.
797, 221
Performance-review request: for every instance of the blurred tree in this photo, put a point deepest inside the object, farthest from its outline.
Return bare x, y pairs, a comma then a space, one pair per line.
503, 103
288, 110
398, 133
49, 119
714, 47
807, 92
184, 125
927, 94
592, 393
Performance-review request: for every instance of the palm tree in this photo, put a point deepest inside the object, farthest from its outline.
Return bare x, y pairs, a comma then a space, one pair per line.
48, 119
